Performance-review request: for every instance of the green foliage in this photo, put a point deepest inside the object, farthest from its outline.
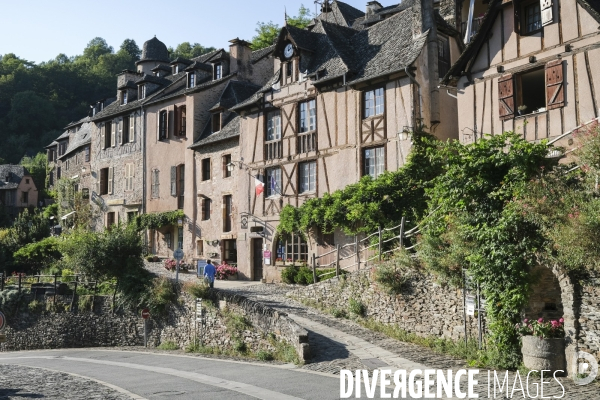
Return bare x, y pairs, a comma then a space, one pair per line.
338, 312
240, 346
10, 301
189, 51
267, 32
197, 289
288, 275
264, 355
160, 296
28, 227
38, 168
304, 276
38, 255
69, 199
235, 323
357, 307
35, 307
394, 273
158, 220
168, 345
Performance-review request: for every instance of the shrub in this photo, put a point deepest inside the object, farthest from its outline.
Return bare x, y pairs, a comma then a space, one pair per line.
170, 264
10, 301
150, 258
240, 346
35, 307
198, 290
304, 276
161, 295
264, 355
338, 313
357, 307
393, 274
224, 270
168, 345
288, 275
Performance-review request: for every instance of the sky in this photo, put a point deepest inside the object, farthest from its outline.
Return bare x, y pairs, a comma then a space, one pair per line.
39, 30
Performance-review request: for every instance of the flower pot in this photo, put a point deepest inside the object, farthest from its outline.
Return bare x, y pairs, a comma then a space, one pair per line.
544, 354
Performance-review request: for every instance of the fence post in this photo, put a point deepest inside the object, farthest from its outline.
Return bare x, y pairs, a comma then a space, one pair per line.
401, 232
379, 233
357, 252
74, 292
55, 288
314, 267
337, 262
19, 282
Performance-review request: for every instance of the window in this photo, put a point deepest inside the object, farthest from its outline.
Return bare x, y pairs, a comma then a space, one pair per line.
131, 216
227, 213
87, 154
307, 174
531, 91
205, 208
273, 126
216, 122
107, 134
443, 56
273, 183
168, 240
180, 238
162, 125
110, 219
289, 72
142, 91
373, 103
191, 80
199, 247
175, 69
180, 186
155, 183
206, 169
226, 162
230, 251
58, 173
374, 161
125, 131
123, 97
25, 197
85, 193
308, 116
27, 181
129, 176
180, 121
131, 128
218, 71
533, 17
103, 181
292, 249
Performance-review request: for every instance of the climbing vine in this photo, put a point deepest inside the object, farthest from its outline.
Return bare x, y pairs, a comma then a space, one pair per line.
158, 220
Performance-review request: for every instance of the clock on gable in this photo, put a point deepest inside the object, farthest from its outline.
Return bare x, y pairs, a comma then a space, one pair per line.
288, 51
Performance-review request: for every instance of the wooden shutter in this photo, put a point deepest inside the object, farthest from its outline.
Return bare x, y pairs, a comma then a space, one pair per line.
176, 125
546, 11
132, 128
120, 123
170, 118
555, 88
102, 137
506, 96
102, 182
173, 181
111, 176
113, 132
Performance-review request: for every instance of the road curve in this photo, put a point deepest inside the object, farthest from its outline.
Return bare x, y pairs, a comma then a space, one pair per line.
159, 376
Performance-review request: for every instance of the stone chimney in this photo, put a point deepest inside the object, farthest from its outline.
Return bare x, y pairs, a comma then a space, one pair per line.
372, 7
240, 55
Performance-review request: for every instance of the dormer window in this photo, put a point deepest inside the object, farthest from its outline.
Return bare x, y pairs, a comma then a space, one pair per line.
175, 69
142, 92
191, 80
218, 71
216, 122
123, 97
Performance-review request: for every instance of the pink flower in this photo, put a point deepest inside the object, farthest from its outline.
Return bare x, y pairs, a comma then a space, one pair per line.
562, 320
525, 320
541, 320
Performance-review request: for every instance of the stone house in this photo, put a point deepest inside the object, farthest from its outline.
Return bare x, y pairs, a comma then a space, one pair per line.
344, 91
529, 68
17, 189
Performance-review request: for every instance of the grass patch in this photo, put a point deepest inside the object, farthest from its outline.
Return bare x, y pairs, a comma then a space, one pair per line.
197, 289
338, 312
168, 345
357, 307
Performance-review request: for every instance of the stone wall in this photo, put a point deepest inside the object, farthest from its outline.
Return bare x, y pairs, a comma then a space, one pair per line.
424, 308
100, 327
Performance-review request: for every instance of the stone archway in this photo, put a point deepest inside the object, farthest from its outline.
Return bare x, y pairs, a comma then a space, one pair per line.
553, 297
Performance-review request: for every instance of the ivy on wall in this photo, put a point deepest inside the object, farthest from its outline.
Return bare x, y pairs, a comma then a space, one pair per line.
158, 220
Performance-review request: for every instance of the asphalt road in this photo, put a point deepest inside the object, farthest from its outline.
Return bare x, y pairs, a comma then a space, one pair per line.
159, 376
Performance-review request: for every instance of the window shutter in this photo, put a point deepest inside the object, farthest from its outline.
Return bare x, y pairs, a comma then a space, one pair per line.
111, 176
131, 176
173, 181
102, 183
555, 91
546, 11
506, 97
113, 132
176, 125
169, 123
120, 124
132, 128
102, 138
203, 206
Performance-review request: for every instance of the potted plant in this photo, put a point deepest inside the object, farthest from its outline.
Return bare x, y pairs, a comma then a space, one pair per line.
521, 109
170, 264
543, 344
226, 271
279, 261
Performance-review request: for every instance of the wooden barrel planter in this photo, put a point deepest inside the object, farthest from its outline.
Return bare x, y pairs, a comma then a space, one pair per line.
544, 354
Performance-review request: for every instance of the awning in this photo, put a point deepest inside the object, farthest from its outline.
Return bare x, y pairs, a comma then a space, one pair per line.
68, 215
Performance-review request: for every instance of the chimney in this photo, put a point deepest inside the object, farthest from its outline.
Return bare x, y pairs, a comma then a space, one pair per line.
240, 55
326, 7
372, 7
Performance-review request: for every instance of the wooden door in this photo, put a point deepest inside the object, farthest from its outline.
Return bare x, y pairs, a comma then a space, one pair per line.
257, 259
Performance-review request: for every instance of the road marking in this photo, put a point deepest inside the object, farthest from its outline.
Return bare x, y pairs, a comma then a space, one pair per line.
109, 385
250, 390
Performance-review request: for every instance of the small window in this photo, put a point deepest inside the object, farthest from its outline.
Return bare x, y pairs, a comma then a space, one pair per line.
273, 183
199, 247
87, 154
205, 209
180, 186
175, 69
180, 238
226, 162
289, 71
307, 176
218, 71
308, 116
123, 97
58, 173
142, 91
443, 56
110, 219
374, 161
227, 213
103, 181
273, 126
125, 131
216, 122
168, 240
206, 169
191, 80
131, 216
162, 125
181, 121
533, 17
373, 103
27, 181
292, 249
531, 92
25, 199
129, 168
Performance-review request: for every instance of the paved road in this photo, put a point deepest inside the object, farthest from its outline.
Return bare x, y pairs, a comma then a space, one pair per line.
159, 376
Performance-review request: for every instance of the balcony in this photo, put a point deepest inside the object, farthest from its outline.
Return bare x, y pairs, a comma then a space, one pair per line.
273, 150
307, 142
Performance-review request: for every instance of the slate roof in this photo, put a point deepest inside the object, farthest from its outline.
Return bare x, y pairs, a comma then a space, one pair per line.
199, 65
15, 174
54, 143
259, 54
181, 60
230, 130
341, 14
258, 95
80, 138
235, 92
154, 49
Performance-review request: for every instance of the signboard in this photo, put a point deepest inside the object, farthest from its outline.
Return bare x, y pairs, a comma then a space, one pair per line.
199, 310
145, 313
266, 254
178, 254
2, 321
470, 304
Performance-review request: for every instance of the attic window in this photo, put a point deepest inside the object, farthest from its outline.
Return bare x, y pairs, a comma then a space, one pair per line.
123, 97
175, 69
191, 80
142, 92
216, 122
218, 71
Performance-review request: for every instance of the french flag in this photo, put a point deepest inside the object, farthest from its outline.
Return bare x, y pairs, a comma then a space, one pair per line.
259, 186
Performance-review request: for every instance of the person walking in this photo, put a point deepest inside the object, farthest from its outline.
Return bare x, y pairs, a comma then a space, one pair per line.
209, 273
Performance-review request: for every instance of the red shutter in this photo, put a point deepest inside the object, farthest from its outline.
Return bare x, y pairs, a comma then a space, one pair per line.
506, 96
555, 89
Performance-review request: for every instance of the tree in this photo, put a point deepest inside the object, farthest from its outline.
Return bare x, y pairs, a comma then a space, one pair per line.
96, 48
267, 32
130, 47
189, 51
37, 167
